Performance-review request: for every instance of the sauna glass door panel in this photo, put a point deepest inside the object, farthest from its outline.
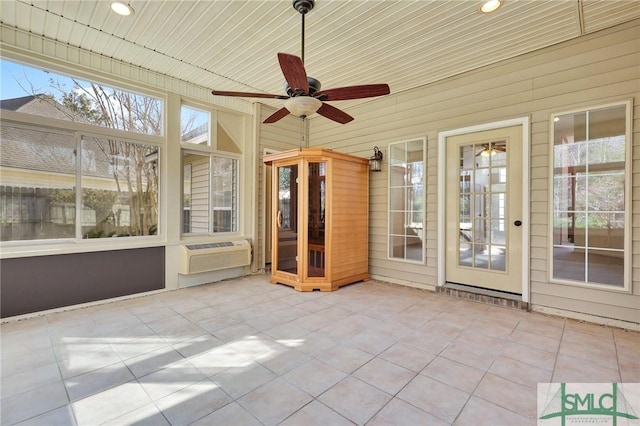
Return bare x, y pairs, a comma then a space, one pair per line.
316, 219
287, 219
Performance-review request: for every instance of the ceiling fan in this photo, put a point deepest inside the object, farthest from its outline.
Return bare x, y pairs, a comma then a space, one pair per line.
304, 96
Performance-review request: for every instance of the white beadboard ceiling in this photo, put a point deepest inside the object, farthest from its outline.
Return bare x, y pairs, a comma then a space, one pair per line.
232, 44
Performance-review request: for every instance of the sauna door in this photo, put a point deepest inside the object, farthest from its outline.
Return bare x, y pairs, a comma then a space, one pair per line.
286, 250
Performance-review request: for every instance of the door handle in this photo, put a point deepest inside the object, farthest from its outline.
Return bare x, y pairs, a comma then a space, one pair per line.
517, 223
279, 219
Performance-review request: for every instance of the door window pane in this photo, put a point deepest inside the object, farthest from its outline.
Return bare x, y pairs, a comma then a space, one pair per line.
287, 219
316, 220
482, 208
589, 204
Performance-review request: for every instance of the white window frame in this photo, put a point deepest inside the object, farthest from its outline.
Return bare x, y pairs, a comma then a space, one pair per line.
75, 245
91, 78
78, 130
210, 150
626, 288
390, 236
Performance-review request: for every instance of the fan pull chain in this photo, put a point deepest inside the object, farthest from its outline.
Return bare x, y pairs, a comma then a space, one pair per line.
302, 132
307, 124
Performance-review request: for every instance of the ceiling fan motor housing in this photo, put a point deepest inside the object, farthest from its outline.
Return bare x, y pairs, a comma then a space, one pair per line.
314, 86
303, 6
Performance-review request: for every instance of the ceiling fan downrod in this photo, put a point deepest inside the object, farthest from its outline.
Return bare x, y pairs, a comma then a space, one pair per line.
303, 7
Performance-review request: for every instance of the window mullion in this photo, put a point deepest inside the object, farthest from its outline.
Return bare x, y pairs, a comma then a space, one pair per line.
211, 193
78, 155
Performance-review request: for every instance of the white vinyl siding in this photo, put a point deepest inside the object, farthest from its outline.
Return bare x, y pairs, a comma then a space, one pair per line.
200, 195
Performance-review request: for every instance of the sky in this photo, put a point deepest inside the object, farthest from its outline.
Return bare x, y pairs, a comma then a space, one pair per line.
12, 73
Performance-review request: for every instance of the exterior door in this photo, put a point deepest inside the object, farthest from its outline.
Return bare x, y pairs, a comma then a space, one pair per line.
484, 209
286, 251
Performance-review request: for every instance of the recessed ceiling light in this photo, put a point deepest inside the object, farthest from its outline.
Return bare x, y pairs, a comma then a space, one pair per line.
121, 8
490, 6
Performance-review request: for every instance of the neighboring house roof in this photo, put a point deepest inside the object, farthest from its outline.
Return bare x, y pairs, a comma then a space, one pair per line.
36, 150
16, 103
198, 135
44, 151
41, 105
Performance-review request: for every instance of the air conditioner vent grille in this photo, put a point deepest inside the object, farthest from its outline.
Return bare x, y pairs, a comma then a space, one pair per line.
210, 245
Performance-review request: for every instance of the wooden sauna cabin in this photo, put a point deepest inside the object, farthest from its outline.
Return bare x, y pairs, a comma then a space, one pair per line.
320, 214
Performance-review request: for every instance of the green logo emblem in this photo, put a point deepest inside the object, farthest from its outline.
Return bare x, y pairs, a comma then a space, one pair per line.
587, 400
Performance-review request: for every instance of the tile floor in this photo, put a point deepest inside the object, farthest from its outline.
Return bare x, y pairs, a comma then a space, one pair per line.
245, 352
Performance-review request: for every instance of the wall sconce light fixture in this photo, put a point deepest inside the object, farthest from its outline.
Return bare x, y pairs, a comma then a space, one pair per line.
375, 162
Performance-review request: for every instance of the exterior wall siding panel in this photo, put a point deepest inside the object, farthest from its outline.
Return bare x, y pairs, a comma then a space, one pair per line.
595, 69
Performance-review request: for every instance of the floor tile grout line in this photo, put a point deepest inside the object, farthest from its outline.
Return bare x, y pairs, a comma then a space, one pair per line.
448, 310
62, 379
395, 396
555, 362
615, 347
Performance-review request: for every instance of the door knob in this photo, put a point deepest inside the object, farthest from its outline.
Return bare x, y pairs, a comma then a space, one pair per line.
517, 223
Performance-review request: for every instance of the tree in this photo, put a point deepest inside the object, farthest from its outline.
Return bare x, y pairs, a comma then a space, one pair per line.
133, 167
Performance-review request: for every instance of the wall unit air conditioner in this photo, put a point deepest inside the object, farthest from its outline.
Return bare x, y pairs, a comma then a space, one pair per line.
196, 258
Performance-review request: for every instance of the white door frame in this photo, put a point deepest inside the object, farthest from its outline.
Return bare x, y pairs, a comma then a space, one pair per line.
442, 138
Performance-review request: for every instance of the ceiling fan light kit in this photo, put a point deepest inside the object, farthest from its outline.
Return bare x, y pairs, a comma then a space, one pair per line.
302, 106
304, 94
488, 152
490, 149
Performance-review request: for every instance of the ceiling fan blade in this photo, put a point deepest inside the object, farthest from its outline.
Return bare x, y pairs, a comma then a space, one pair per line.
353, 92
294, 72
333, 113
247, 95
279, 114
